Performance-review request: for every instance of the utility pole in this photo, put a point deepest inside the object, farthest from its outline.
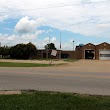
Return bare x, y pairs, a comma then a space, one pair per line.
49, 46
48, 49
73, 50
73, 45
60, 47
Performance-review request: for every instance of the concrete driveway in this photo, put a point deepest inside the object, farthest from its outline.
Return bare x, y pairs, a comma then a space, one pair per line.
84, 76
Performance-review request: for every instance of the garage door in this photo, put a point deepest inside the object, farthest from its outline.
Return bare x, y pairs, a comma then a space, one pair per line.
104, 54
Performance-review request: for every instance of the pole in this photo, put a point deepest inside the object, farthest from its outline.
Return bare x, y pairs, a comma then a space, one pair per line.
49, 39
60, 46
73, 50
49, 48
50, 60
73, 45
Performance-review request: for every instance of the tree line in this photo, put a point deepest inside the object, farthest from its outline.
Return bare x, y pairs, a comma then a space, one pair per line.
22, 51
19, 51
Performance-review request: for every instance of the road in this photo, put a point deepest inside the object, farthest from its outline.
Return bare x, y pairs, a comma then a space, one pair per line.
74, 79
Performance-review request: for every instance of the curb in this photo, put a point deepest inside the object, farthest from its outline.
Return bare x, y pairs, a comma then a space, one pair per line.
6, 92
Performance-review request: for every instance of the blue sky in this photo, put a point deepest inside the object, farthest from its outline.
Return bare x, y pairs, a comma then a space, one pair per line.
84, 21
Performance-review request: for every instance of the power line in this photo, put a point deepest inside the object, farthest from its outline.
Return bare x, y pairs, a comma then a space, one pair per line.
58, 6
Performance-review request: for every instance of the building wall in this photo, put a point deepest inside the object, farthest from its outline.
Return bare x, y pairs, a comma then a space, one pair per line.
104, 46
88, 46
46, 54
78, 52
70, 54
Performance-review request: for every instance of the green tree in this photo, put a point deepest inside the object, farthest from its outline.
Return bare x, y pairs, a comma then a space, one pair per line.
23, 51
4, 51
50, 46
31, 50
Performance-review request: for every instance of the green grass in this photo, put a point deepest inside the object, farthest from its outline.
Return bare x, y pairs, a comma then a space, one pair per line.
53, 101
15, 64
70, 60
46, 59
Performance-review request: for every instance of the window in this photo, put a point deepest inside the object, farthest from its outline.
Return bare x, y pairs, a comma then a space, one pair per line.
104, 55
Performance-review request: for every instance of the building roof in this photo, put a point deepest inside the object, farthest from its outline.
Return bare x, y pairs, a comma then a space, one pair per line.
89, 44
103, 43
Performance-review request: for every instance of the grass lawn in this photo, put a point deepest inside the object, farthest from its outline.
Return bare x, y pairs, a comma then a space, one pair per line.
70, 60
14, 64
53, 101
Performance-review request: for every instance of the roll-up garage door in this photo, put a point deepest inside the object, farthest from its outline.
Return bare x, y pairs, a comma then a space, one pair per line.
104, 54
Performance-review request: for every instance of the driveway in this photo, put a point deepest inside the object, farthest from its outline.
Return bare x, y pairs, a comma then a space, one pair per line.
84, 76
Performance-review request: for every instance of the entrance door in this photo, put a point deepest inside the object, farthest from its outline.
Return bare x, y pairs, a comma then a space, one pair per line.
89, 54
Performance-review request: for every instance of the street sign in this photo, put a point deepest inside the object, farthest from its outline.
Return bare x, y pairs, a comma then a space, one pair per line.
54, 53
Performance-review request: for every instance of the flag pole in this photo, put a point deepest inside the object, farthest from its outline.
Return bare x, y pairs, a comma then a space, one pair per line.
60, 45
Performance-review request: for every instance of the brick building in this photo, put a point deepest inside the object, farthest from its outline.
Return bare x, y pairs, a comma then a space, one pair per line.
91, 51
88, 51
64, 54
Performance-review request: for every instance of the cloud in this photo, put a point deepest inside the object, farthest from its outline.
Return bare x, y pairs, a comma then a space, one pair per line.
78, 16
32, 35
64, 46
25, 25
16, 38
107, 25
13, 39
2, 18
53, 40
50, 30
42, 42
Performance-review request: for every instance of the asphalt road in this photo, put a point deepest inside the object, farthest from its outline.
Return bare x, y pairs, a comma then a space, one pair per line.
63, 79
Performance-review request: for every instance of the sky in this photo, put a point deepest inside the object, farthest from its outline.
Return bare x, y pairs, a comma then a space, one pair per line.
37, 21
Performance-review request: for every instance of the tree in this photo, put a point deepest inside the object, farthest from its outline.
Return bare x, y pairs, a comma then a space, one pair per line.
50, 46
31, 49
23, 51
4, 51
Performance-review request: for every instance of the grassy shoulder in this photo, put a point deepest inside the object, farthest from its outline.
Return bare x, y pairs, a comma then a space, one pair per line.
70, 60
53, 101
15, 64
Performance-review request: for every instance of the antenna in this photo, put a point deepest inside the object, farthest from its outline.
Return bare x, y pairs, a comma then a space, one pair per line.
60, 40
